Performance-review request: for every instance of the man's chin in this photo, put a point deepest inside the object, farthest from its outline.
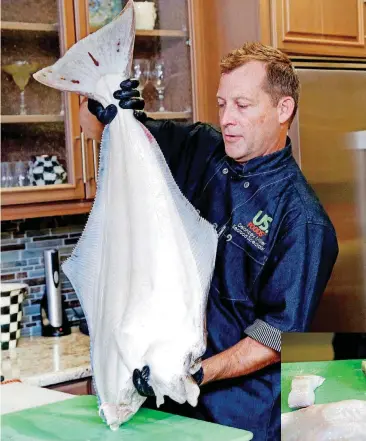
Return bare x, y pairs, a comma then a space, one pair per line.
235, 153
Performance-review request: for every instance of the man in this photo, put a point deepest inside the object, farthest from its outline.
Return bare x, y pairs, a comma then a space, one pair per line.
277, 246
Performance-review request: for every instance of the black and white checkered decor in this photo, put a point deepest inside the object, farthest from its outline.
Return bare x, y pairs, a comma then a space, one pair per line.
46, 170
12, 295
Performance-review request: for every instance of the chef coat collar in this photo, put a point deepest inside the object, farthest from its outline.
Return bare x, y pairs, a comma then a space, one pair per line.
262, 164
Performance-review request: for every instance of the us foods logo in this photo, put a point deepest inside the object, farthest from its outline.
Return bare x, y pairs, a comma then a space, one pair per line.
260, 224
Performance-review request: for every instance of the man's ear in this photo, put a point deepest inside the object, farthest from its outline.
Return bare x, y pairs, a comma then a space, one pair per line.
285, 107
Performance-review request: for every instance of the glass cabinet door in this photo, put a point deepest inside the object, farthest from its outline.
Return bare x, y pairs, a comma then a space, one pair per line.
162, 59
41, 146
161, 53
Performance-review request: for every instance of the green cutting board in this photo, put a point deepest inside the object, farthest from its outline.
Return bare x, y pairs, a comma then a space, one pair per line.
77, 419
344, 380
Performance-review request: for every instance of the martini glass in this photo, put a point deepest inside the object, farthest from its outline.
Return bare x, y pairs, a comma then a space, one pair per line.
21, 72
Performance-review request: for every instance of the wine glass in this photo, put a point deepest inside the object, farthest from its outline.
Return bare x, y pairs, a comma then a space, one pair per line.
63, 98
20, 174
141, 72
158, 80
7, 175
21, 72
4, 174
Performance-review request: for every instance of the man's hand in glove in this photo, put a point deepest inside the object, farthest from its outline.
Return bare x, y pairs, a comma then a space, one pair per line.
140, 380
128, 97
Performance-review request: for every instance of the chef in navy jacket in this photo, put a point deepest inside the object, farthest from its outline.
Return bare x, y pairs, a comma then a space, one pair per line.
276, 247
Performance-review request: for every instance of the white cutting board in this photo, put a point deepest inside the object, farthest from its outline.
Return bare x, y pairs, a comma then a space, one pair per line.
19, 396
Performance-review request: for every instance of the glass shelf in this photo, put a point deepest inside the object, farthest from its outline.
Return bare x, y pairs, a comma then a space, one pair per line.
21, 119
161, 33
170, 115
154, 32
22, 26
26, 119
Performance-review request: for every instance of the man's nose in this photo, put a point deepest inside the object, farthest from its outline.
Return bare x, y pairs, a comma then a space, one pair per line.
227, 117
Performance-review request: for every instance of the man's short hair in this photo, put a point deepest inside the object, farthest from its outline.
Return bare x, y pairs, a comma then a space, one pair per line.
282, 79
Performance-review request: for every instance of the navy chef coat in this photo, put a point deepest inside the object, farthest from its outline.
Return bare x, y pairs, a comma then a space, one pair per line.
276, 251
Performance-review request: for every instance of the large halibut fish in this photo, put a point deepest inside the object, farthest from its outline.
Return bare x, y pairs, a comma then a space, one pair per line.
143, 265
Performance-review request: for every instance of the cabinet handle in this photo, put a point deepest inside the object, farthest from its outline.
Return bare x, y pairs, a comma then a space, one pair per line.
95, 160
82, 143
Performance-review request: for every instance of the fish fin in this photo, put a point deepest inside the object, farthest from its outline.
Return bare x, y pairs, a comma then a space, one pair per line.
82, 267
85, 63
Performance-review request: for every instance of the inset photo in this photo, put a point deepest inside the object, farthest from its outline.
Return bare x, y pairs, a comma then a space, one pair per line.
323, 387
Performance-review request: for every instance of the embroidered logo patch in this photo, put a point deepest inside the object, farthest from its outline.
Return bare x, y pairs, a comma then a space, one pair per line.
260, 224
250, 236
256, 230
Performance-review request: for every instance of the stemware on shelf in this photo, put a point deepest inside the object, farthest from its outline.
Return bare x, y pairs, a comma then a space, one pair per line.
158, 80
5, 171
14, 174
20, 174
21, 72
141, 72
62, 108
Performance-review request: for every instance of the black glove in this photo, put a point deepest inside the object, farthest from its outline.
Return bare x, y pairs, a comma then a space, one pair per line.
128, 96
140, 380
198, 376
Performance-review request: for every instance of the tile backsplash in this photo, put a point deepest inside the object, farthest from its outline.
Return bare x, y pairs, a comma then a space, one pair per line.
22, 246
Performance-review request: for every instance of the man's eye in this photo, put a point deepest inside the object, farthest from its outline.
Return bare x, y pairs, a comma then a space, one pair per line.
243, 106
220, 104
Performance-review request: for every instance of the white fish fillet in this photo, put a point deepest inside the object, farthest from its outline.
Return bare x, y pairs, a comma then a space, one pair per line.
143, 265
340, 421
303, 390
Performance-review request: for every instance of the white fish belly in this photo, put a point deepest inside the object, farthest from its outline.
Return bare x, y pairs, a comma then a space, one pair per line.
340, 421
144, 263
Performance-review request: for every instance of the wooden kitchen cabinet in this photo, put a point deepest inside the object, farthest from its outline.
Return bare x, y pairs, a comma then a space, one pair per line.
314, 28
37, 121
319, 27
51, 127
171, 49
224, 27
190, 36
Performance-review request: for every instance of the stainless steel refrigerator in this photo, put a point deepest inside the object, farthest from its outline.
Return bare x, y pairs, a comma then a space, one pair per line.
329, 137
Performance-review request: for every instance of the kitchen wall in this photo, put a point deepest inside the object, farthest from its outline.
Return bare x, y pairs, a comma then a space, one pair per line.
314, 346
22, 246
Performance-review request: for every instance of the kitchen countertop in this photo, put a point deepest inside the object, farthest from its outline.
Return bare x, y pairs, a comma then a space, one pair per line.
19, 396
44, 361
